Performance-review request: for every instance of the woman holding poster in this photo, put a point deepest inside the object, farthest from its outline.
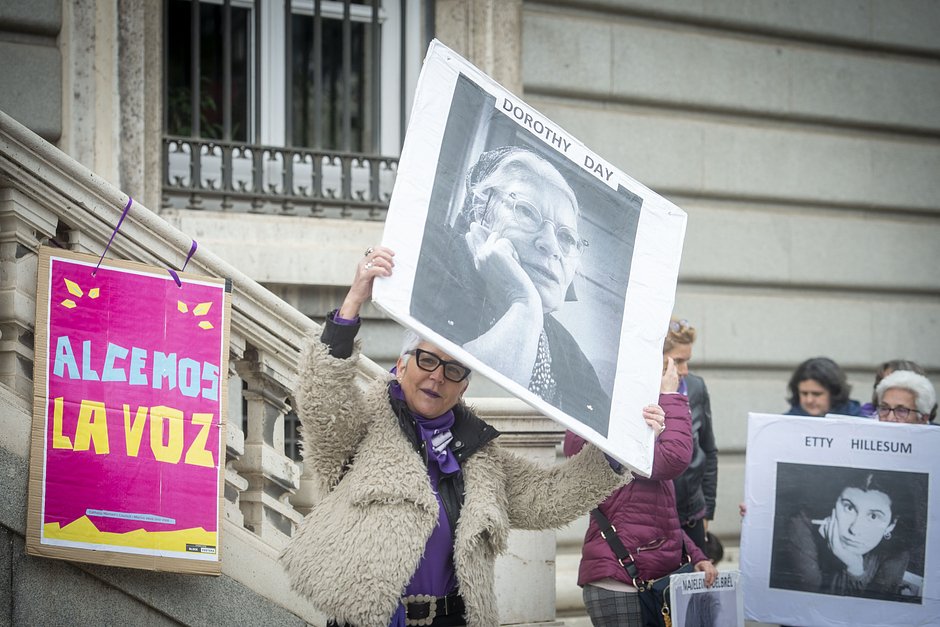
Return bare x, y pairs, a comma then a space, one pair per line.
859, 546
417, 496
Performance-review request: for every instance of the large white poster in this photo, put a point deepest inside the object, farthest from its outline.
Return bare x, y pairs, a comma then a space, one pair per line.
530, 258
839, 520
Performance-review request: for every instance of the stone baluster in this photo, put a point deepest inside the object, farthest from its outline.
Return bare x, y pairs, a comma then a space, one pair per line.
23, 225
235, 484
271, 475
530, 561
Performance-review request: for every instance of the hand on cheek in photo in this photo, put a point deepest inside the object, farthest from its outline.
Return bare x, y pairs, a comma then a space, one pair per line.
851, 557
497, 259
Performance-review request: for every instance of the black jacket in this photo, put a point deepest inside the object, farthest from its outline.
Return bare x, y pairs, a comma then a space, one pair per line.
697, 486
470, 435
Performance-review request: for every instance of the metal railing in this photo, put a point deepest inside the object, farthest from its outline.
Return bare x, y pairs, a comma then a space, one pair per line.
228, 176
208, 165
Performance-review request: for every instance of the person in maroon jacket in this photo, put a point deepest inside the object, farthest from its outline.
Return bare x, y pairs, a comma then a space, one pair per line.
644, 514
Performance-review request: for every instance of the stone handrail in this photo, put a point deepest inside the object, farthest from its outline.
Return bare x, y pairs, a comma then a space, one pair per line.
47, 196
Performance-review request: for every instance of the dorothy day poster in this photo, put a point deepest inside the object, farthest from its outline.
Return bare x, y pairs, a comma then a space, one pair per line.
530, 258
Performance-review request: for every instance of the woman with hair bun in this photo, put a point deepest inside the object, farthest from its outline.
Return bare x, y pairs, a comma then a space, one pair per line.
697, 486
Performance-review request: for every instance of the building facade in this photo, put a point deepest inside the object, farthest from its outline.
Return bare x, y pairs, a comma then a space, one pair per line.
802, 138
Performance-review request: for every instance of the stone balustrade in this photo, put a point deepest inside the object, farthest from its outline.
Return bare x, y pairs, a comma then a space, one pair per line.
46, 198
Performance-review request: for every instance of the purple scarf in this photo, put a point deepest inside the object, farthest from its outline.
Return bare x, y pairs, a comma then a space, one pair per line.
436, 434
435, 573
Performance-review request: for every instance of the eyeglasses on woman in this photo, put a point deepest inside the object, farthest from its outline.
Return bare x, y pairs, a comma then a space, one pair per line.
429, 362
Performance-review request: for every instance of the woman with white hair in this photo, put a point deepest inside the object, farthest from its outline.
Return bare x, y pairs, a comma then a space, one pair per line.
418, 497
905, 396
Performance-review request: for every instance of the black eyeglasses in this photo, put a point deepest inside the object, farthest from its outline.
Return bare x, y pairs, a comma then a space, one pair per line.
530, 220
429, 362
900, 412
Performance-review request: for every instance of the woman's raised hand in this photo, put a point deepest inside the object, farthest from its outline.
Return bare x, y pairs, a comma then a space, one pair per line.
378, 261
670, 381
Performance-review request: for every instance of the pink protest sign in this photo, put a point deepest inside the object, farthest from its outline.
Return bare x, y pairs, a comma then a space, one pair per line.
129, 415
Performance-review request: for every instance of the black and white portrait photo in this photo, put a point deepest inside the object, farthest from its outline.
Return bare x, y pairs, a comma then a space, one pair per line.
841, 518
530, 258
527, 259
857, 532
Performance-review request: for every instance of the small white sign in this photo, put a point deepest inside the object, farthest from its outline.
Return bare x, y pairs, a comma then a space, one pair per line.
693, 604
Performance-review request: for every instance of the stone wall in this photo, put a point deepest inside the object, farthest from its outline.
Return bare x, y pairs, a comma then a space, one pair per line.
31, 70
803, 140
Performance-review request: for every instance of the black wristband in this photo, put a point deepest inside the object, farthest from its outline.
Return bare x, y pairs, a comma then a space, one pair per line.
339, 337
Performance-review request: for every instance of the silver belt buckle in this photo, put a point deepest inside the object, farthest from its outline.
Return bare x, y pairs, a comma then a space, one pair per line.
422, 599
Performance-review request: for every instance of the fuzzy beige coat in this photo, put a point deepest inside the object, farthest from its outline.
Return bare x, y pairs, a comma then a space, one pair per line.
358, 548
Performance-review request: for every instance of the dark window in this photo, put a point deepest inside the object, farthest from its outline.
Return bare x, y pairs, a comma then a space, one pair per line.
327, 131
212, 96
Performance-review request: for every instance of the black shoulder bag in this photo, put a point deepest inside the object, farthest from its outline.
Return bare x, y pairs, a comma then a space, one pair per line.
653, 594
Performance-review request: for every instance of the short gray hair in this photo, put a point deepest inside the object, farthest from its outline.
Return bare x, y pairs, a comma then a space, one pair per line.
409, 342
920, 386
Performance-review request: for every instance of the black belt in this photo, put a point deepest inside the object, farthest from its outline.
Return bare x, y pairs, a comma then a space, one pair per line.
422, 609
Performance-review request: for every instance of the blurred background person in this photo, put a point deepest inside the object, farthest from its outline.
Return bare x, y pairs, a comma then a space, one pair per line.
697, 486
905, 396
884, 370
818, 387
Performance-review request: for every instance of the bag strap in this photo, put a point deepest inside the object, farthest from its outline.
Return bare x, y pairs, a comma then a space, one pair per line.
609, 533
623, 555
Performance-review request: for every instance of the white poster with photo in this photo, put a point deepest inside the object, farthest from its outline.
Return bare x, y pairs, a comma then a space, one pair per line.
693, 604
530, 258
841, 522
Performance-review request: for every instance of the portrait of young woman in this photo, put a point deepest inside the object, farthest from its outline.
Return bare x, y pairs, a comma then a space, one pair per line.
855, 532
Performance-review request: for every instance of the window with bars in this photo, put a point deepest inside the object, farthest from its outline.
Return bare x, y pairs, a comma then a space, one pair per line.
204, 51
286, 106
